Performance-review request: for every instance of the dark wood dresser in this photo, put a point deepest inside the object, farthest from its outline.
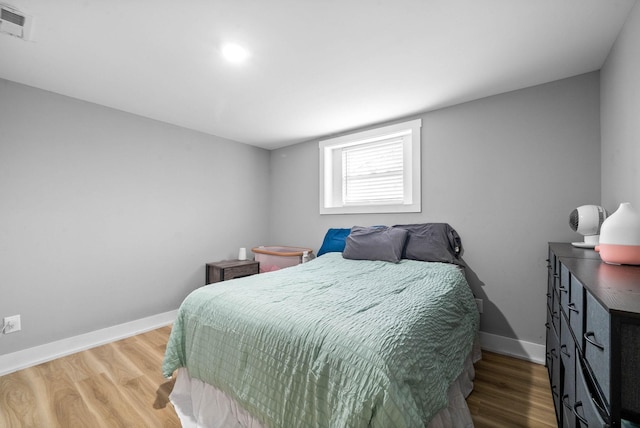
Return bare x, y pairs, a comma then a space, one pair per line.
593, 339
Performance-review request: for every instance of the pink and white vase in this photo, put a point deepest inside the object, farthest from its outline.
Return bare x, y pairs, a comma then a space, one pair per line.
620, 237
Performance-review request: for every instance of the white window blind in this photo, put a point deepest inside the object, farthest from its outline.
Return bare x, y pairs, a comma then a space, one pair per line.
373, 173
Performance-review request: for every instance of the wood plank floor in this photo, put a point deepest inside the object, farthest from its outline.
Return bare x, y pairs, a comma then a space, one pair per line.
508, 392
120, 385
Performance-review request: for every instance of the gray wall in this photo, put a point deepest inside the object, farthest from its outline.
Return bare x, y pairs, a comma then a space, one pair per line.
620, 116
107, 217
504, 171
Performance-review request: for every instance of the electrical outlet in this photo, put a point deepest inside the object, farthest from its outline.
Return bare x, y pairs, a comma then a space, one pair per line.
11, 324
479, 304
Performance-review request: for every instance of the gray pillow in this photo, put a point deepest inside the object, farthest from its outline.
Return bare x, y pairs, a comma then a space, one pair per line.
432, 242
375, 243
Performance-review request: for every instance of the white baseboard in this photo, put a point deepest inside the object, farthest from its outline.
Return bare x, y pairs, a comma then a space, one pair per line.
514, 348
19, 360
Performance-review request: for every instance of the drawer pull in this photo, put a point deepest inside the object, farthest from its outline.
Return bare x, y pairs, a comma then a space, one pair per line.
555, 314
565, 402
547, 325
563, 349
563, 289
572, 307
580, 417
588, 335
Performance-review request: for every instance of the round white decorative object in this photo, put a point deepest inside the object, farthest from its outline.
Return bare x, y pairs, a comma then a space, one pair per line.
622, 227
620, 236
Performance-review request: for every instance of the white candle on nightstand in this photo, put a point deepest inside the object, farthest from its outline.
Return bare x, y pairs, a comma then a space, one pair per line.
242, 254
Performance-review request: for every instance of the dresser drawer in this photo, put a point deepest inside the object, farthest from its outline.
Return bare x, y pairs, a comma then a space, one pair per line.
553, 367
564, 286
597, 344
553, 276
585, 409
549, 323
550, 289
568, 358
568, 352
555, 313
575, 309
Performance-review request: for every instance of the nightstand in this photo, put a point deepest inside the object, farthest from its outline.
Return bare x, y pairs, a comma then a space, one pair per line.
229, 269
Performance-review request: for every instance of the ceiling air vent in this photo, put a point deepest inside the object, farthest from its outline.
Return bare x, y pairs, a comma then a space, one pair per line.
14, 22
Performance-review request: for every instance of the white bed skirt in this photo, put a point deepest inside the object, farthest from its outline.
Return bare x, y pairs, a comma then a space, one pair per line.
200, 405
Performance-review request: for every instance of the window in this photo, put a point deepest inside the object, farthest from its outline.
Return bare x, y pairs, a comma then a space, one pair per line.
374, 171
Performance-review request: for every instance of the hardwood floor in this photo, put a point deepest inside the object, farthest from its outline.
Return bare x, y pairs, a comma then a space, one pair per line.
120, 385
508, 392
115, 385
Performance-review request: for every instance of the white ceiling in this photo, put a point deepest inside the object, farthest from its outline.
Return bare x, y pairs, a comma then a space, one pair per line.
317, 67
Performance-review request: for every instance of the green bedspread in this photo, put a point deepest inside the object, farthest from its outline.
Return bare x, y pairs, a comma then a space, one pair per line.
332, 342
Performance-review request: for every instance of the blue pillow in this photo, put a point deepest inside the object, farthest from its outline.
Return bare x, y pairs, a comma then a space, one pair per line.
334, 241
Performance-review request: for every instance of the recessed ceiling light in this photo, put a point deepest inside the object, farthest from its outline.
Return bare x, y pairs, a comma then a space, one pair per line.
234, 53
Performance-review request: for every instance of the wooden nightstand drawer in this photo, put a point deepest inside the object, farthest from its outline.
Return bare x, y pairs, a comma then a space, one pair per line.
229, 269
240, 271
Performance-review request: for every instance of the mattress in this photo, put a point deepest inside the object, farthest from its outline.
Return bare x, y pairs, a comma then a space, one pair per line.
332, 342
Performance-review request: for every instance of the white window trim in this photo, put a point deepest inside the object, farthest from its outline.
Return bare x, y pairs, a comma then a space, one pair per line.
328, 185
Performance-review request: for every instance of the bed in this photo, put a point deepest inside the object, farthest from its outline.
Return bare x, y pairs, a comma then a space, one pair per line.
342, 341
